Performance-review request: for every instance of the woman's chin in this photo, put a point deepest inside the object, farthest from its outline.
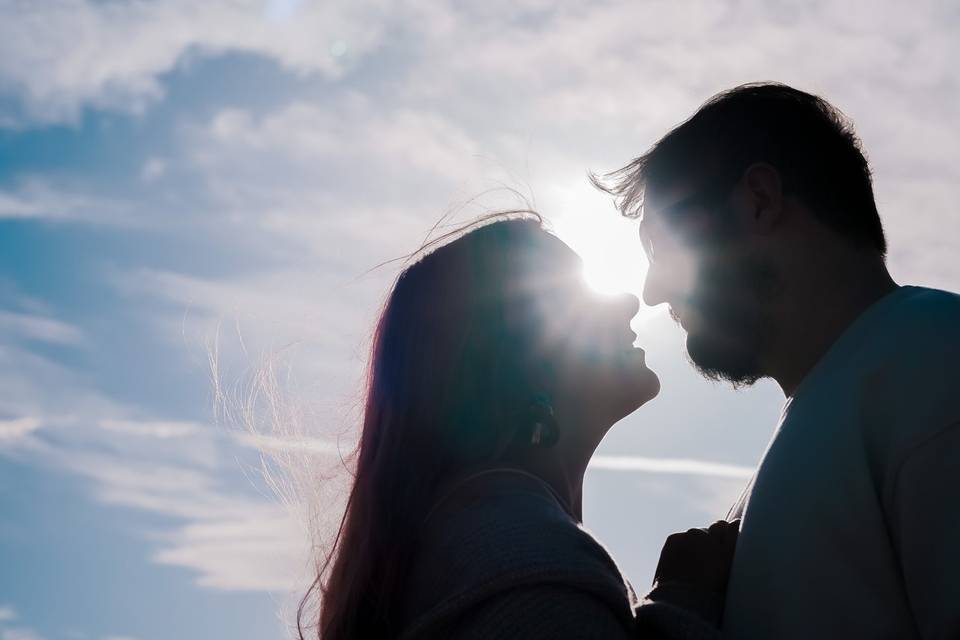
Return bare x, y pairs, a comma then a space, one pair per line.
643, 383
634, 389
652, 386
646, 387
616, 387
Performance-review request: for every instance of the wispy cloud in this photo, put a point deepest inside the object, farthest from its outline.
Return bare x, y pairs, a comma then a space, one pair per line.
153, 169
18, 428
41, 328
315, 446
11, 631
684, 466
193, 474
162, 429
232, 539
37, 198
19, 633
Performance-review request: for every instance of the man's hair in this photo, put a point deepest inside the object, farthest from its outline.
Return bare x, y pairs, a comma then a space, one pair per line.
810, 142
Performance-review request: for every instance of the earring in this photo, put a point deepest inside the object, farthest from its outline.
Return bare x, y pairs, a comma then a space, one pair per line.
544, 431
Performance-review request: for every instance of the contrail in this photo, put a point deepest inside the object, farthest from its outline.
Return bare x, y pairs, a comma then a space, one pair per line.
670, 465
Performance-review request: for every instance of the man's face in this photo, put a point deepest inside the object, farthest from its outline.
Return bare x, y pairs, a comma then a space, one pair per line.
701, 266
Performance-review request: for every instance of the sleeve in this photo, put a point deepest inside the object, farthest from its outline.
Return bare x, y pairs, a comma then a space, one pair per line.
667, 612
926, 510
542, 612
565, 613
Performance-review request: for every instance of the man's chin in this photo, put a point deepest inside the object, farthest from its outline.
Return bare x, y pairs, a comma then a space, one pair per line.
723, 363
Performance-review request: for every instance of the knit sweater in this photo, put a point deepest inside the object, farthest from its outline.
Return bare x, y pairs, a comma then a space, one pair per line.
501, 559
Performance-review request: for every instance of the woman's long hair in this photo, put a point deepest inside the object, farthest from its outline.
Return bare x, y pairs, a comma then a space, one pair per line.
449, 379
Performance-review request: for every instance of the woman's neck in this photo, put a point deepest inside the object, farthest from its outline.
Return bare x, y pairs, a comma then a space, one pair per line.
566, 483
564, 465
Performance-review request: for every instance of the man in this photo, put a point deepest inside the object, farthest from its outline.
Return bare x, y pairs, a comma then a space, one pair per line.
758, 219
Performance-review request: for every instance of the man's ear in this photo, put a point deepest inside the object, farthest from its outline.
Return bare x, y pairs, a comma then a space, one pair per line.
763, 195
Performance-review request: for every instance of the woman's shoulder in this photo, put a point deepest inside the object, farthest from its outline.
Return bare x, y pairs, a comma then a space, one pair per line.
501, 532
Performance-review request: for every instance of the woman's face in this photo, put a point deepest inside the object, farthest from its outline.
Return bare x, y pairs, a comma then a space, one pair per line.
585, 339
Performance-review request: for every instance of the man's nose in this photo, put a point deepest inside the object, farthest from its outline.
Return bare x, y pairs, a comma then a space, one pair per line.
670, 281
654, 287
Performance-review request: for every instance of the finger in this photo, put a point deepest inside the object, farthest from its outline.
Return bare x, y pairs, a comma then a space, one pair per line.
719, 527
726, 532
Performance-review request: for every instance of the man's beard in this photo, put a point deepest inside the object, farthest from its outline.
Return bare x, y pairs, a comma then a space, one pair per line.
735, 332
731, 357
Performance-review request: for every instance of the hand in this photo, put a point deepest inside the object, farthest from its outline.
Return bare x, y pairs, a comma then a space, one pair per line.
694, 568
699, 558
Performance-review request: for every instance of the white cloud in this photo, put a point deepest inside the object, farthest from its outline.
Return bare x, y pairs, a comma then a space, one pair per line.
16, 429
347, 163
162, 429
35, 385
188, 472
153, 169
311, 446
231, 540
7, 632
44, 329
19, 633
36, 198
256, 550
354, 131
60, 57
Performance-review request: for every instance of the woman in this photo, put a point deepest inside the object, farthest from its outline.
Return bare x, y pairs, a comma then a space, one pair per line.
494, 376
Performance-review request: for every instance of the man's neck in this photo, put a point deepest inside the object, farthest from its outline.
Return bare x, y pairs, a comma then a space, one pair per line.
826, 313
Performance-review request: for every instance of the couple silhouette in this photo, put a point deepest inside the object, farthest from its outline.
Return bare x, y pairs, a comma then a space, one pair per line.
495, 374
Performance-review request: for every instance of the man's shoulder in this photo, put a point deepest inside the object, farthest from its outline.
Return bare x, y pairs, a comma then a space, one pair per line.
904, 346
911, 334
907, 384
923, 307
921, 335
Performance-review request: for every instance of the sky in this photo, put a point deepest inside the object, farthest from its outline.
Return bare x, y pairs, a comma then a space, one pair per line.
192, 198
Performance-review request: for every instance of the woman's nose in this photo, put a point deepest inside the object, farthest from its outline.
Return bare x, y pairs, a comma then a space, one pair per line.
625, 306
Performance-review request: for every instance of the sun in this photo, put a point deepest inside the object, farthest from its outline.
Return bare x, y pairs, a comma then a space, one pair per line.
612, 256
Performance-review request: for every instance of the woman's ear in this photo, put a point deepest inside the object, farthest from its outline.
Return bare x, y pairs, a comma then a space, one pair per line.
762, 209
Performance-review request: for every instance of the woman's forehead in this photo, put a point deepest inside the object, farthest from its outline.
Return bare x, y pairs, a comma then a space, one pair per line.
545, 264
559, 252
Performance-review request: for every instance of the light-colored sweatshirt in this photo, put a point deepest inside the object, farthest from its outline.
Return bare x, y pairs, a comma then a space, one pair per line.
851, 528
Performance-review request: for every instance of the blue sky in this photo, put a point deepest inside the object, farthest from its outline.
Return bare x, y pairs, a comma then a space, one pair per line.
181, 178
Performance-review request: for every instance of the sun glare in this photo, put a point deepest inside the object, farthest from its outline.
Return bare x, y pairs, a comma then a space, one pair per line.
612, 256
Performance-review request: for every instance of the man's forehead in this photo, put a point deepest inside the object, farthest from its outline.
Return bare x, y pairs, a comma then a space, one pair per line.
659, 196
